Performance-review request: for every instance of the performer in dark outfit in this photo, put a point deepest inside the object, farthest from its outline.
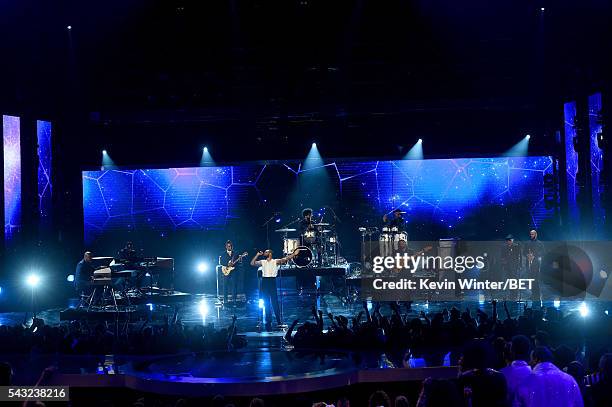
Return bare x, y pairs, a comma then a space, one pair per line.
397, 220
128, 253
83, 274
306, 225
236, 278
510, 261
533, 251
129, 257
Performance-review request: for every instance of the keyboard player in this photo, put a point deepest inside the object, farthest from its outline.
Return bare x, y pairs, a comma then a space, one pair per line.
83, 274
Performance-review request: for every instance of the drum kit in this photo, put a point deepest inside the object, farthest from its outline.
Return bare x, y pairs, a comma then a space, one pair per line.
318, 245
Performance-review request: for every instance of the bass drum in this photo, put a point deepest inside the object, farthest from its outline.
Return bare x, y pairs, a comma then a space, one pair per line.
304, 257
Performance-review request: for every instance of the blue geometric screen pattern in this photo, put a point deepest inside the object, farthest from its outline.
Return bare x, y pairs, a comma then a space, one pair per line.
595, 132
43, 133
207, 198
11, 129
569, 116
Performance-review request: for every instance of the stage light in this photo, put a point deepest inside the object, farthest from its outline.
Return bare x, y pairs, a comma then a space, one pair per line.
202, 267
520, 149
70, 278
150, 305
69, 27
206, 159
260, 303
415, 152
203, 309
556, 303
33, 280
542, 9
584, 310
107, 161
313, 159
0, 290
605, 312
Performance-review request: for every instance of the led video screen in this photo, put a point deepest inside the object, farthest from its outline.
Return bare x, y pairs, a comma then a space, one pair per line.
12, 176
441, 197
45, 186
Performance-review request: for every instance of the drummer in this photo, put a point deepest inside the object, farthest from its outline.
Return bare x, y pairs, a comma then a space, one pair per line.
397, 221
393, 231
306, 226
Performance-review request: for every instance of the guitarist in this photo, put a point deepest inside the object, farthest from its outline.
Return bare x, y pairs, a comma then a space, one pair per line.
235, 279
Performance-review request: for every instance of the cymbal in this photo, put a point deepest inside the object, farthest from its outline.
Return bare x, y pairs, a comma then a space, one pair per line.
321, 224
284, 230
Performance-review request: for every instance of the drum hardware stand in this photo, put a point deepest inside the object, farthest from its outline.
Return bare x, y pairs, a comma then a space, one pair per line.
106, 290
282, 325
218, 302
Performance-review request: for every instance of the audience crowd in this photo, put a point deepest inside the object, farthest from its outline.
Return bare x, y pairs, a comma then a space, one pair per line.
81, 338
539, 358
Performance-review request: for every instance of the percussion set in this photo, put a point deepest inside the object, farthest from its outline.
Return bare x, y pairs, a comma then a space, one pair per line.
388, 234
388, 238
318, 245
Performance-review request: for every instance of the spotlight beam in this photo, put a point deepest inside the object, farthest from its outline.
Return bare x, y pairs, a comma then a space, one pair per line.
416, 152
313, 159
107, 161
206, 159
520, 149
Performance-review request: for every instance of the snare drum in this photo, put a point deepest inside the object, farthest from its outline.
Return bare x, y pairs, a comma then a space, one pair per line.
290, 244
304, 257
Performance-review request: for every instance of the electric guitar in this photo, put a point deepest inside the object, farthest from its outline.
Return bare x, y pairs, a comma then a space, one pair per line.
231, 265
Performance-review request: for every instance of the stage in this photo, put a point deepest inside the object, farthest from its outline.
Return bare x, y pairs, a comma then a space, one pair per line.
268, 364
295, 306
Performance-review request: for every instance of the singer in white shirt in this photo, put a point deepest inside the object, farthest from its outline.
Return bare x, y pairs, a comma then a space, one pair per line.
269, 267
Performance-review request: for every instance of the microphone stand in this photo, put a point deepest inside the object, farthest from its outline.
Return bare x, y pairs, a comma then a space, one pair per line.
267, 225
336, 218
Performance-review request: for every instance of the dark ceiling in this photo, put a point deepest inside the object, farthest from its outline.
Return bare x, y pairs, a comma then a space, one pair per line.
291, 71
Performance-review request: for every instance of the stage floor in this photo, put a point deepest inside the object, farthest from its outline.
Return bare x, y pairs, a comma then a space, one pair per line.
203, 309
